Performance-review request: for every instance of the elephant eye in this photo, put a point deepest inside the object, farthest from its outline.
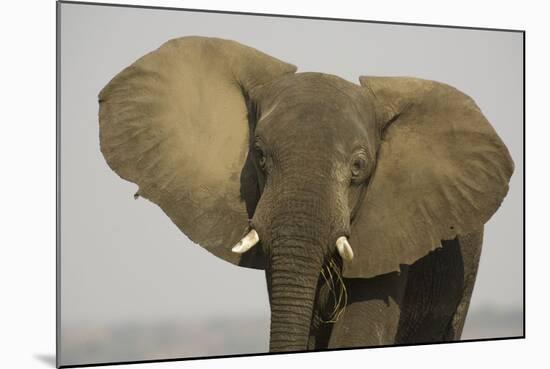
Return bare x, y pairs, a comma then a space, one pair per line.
261, 160
261, 156
357, 166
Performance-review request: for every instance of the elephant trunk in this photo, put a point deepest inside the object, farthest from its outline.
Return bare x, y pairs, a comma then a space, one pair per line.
300, 236
293, 281
297, 223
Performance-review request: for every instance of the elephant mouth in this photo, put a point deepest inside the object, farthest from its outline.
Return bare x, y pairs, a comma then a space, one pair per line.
252, 238
331, 291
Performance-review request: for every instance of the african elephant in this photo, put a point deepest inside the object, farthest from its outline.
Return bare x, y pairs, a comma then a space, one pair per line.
364, 203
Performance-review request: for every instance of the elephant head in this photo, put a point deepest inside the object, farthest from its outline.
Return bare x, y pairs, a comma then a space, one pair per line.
267, 168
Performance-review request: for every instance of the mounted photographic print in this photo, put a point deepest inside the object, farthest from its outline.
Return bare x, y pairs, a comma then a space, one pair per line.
235, 184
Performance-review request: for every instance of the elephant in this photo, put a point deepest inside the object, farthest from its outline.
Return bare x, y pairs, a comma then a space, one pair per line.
364, 203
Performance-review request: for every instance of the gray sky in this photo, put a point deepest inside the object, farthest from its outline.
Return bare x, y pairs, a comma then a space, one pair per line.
123, 259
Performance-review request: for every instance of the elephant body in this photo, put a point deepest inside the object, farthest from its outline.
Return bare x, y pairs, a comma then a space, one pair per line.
426, 302
364, 203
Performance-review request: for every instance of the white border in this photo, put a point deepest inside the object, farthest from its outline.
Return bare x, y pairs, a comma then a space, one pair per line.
27, 154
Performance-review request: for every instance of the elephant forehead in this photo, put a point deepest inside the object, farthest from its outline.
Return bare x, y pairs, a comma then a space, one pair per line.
326, 103
312, 124
313, 88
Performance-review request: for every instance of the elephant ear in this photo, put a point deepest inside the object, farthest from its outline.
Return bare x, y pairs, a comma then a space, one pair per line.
175, 122
441, 171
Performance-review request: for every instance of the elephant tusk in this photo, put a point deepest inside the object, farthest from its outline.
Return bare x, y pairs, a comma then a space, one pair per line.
344, 248
248, 241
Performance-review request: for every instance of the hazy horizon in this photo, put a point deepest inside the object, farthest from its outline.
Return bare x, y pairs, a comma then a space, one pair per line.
129, 340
